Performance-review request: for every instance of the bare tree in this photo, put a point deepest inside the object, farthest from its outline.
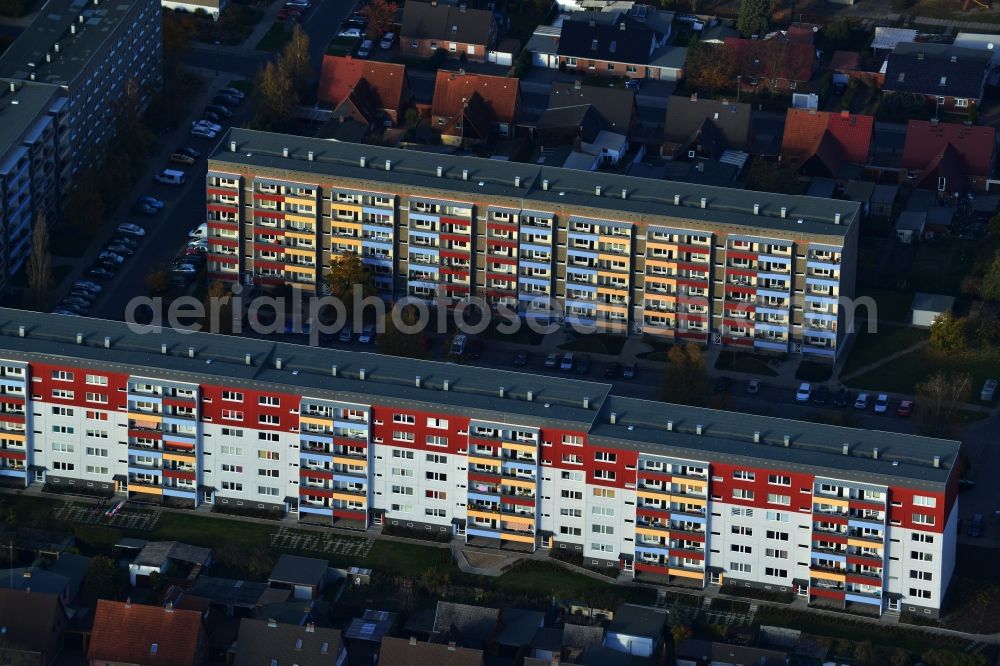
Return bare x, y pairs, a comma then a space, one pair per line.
942, 397
40, 261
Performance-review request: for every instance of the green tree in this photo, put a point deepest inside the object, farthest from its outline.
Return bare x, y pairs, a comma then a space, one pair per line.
395, 342
347, 276
104, 579
294, 61
754, 17
685, 380
97, 537
947, 334
900, 657
990, 287
838, 31
274, 98
40, 261
768, 177
710, 67
680, 633
865, 654
946, 657
941, 398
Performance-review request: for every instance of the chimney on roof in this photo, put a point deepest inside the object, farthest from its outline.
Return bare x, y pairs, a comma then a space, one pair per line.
232, 146
756, 437
55, 47
72, 28
107, 342
621, 26
920, 56
530, 396
503, 392
333, 371
361, 374
624, 193
20, 331
169, 607
586, 402
704, 202
48, 57
545, 185
32, 76
845, 114
846, 450
272, 623
614, 418
670, 426
597, 190
465, 174
937, 461
954, 58
451, 644
413, 639
517, 181
416, 381
699, 429
784, 212
786, 440
836, 218
677, 200
388, 165
445, 385
363, 162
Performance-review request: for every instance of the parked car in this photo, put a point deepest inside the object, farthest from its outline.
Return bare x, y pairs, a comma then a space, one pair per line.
75, 300
821, 394
88, 296
628, 372
989, 390
612, 370
753, 386
367, 335
219, 110
201, 231
842, 398
475, 347
211, 116
861, 402
187, 150
146, 209
882, 403
130, 229
233, 92
124, 240
181, 158
193, 259
207, 124
183, 269
804, 394
75, 309
458, 345
365, 49
122, 250
386, 42
170, 177
203, 132
905, 408
152, 201
231, 100
86, 285
975, 528
64, 312
552, 360
520, 359
350, 32
111, 256
99, 273
722, 385
583, 365
346, 334
567, 362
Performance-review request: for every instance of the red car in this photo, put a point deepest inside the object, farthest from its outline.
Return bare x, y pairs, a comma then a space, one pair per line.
287, 13
905, 408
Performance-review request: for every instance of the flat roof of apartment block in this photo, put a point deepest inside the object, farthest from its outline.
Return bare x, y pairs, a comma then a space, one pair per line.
481, 393
471, 176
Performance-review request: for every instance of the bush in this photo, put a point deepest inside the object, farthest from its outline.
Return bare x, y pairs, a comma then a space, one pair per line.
15, 8
97, 537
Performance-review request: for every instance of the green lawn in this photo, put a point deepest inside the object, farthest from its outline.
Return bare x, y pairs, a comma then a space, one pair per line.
901, 375
938, 268
406, 559
744, 362
869, 348
275, 38
891, 305
211, 532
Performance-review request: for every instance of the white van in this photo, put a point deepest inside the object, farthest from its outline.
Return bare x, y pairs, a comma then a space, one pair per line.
200, 232
170, 177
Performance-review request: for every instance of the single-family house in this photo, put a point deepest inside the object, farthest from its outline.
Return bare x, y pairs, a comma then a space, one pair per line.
304, 576
887, 38
139, 635
407, 652
366, 91
983, 42
458, 30
33, 625
949, 157
577, 113
270, 642
827, 145
619, 45
780, 62
474, 108
696, 652
163, 557
950, 78
705, 128
636, 630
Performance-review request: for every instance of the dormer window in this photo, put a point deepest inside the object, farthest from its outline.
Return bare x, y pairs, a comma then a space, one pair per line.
902, 77
944, 80
593, 45
454, 29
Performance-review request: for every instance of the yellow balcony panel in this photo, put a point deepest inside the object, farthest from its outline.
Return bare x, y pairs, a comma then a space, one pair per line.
649, 493
654, 531
316, 420
483, 515
142, 416
827, 575
518, 483
146, 489
608, 307
473, 460
829, 501
308, 218
661, 245
684, 573
663, 330
349, 497
302, 201
347, 460
308, 235
179, 457
518, 446
343, 205
13, 436
687, 499
523, 538
305, 270
861, 543
300, 251
614, 239
337, 223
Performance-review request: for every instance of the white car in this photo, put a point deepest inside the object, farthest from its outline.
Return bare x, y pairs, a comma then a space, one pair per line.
203, 133
881, 403
207, 124
184, 269
804, 393
300, 4
199, 232
387, 40
233, 92
367, 335
365, 49
861, 402
350, 32
130, 229
567, 362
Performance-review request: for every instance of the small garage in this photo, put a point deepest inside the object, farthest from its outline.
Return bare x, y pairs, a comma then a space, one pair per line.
926, 308
304, 576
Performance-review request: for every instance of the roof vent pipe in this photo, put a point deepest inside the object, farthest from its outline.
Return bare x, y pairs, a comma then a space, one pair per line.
232, 146
72, 29
416, 381
20, 331
363, 161
756, 209
284, 152
445, 385
48, 57
530, 396
163, 348
503, 392
836, 218
361, 374
787, 440
614, 418
32, 76
517, 181
875, 453
190, 351
597, 190
388, 165
107, 342
698, 429
440, 171
465, 174
624, 193
670, 426
333, 371
784, 212
586, 402
55, 47
247, 359
756, 437
278, 362
937, 461
545, 185
677, 200
79, 338
846, 450
13, 87
310, 155
704, 202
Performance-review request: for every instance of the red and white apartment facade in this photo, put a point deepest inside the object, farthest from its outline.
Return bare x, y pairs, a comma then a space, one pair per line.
663, 492
625, 255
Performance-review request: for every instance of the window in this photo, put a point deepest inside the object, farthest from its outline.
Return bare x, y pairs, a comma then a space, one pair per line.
61, 394
401, 490
232, 396
779, 480
96, 469
740, 567
777, 573
742, 530
272, 473
921, 556
96, 433
922, 500
62, 411
404, 418
236, 469
268, 491
436, 494
436, 459
435, 513
777, 553
777, 517
571, 531
96, 451
572, 459
400, 453
401, 471
571, 513
572, 494
923, 519
267, 419
920, 594
743, 475
920, 575
231, 415
227, 449
961, 103
922, 538
742, 494
780, 536
232, 485
740, 548
99, 398
604, 474
783, 500
604, 456
97, 416
267, 436
62, 430
268, 401
602, 529
436, 440
606, 493
602, 547
268, 455
572, 440
97, 380
437, 423
571, 476
62, 375
64, 466
62, 447
436, 476
232, 432
400, 436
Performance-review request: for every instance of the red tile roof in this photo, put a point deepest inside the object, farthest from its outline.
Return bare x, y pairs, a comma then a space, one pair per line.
500, 94
773, 58
340, 74
848, 134
927, 143
137, 634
